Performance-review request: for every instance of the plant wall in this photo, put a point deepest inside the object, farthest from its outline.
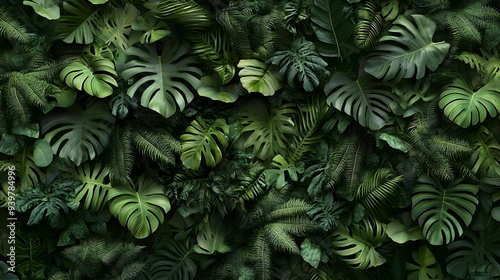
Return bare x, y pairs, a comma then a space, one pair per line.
258, 139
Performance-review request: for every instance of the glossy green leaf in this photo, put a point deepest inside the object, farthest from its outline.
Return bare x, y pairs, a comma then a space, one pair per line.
212, 88
42, 153
400, 234
48, 9
256, 76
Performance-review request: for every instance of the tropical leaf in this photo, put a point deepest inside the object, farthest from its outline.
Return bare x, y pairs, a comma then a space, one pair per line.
80, 132
42, 153
95, 184
211, 239
169, 78
80, 24
139, 205
117, 26
487, 64
154, 29
486, 156
466, 107
269, 128
368, 26
332, 26
407, 50
366, 100
398, 233
202, 140
296, 14
48, 9
93, 74
10, 28
358, 248
186, 13
302, 62
475, 249
29, 174
214, 89
174, 262
442, 211
379, 192
256, 76
426, 267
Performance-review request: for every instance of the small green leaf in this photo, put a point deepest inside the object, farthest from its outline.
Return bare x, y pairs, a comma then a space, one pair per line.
213, 89
394, 142
255, 76
42, 153
495, 213
310, 252
399, 234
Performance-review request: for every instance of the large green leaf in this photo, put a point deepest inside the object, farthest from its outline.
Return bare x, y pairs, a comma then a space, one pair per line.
269, 128
95, 185
407, 50
441, 211
174, 262
475, 249
358, 248
48, 9
186, 13
300, 62
332, 25
256, 76
486, 155
426, 267
81, 22
366, 100
211, 239
169, 79
93, 74
139, 205
400, 234
202, 140
80, 132
214, 89
466, 107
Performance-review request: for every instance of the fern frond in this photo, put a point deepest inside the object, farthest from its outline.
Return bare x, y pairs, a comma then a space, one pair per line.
452, 148
379, 192
310, 117
253, 184
289, 209
262, 253
280, 239
369, 25
120, 154
156, 144
234, 22
11, 29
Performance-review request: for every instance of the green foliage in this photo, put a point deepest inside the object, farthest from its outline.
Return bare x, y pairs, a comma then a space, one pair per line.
369, 25
154, 29
48, 201
211, 239
486, 155
400, 234
487, 64
426, 266
80, 22
10, 28
473, 250
174, 261
103, 259
93, 74
327, 213
466, 106
202, 140
48, 9
269, 128
186, 13
94, 185
300, 62
256, 76
140, 205
78, 133
167, 78
379, 192
212, 88
358, 247
442, 211
332, 26
5, 273
407, 50
364, 99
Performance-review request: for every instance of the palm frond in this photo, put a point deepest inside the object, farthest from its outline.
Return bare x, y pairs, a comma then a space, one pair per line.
369, 25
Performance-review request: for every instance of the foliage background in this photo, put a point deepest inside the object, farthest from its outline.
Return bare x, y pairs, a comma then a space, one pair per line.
217, 139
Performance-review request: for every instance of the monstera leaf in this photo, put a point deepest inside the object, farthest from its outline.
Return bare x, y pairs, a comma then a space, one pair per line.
202, 140
153, 28
117, 27
95, 184
426, 265
174, 262
80, 132
475, 249
407, 50
256, 76
211, 239
168, 79
48, 9
467, 107
94, 74
81, 22
358, 248
367, 101
332, 26
212, 88
441, 211
139, 205
486, 155
269, 128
